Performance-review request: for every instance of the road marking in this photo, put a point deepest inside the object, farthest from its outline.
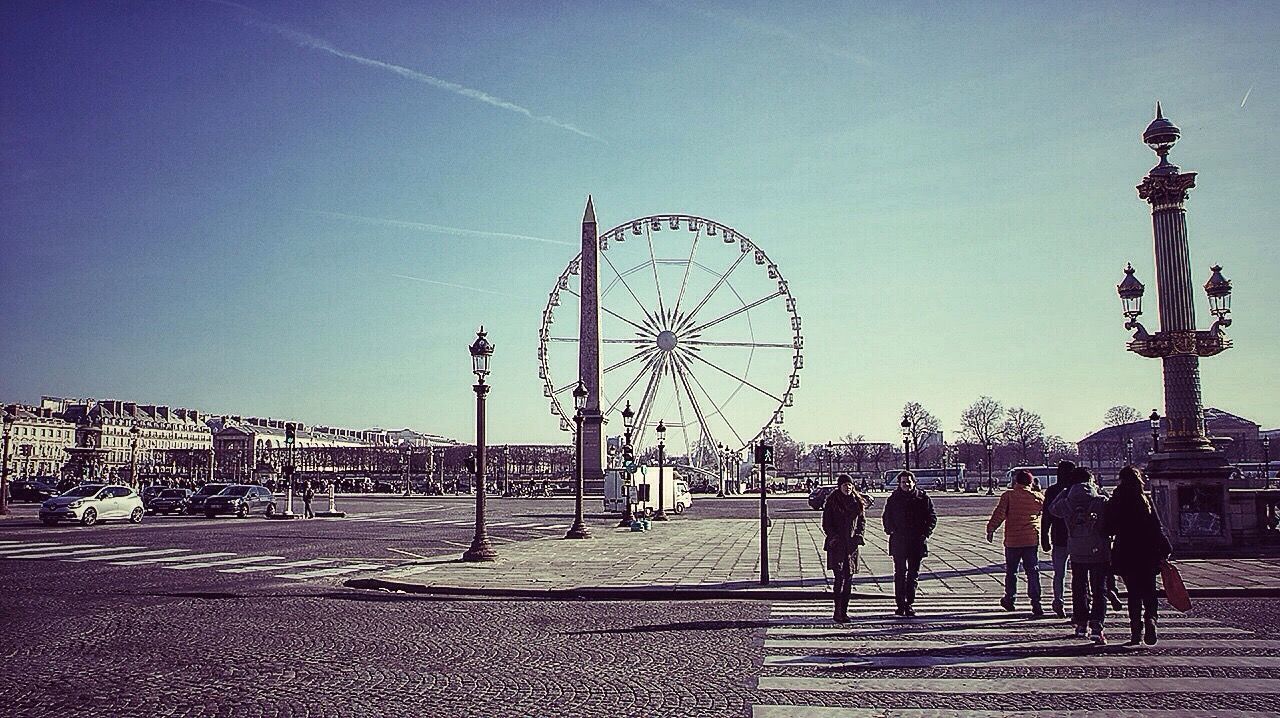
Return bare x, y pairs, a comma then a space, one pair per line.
79, 552
320, 573
293, 564
162, 559
842, 712
1023, 686
853, 631
133, 554
997, 645
934, 622
222, 562
22, 553
1128, 659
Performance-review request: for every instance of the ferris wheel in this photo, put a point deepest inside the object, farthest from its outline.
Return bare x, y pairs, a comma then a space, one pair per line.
698, 330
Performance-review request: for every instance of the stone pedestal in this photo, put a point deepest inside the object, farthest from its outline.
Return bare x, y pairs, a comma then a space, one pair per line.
1190, 494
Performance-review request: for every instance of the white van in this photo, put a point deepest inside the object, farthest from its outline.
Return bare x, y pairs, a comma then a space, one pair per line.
644, 491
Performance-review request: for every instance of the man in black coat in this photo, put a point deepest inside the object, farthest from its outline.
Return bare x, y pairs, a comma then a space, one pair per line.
1053, 536
908, 519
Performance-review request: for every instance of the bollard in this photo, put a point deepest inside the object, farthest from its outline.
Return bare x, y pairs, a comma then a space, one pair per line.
333, 512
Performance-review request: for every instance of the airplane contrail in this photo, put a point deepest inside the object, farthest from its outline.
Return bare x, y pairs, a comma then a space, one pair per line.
310, 41
456, 286
438, 228
1246, 96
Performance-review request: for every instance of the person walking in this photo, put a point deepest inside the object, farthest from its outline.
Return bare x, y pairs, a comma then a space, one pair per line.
1082, 507
1141, 548
908, 520
1053, 537
1019, 510
844, 519
308, 494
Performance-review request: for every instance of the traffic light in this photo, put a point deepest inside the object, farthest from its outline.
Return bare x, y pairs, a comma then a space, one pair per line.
470, 464
764, 454
628, 454
289, 433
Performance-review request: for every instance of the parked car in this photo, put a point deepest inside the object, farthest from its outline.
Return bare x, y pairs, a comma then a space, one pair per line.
170, 501
92, 503
196, 505
241, 500
150, 492
31, 491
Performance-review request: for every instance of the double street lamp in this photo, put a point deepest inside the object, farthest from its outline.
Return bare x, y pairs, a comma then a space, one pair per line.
722, 462
991, 484
628, 455
1128, 451
481, 350
579, 529
662, 448
4, 462
1266, 461
906, 441
134, 431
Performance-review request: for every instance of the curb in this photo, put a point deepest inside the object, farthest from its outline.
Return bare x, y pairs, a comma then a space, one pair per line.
673, 593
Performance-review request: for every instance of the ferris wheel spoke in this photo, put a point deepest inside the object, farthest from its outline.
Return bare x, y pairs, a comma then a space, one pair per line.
637, 340
675, 384
684, 283
638, 355
625, 285
733, 376
615, 315
648, 367
650, 393
653, 262
714, 288
681, 369
754, 345
746, 307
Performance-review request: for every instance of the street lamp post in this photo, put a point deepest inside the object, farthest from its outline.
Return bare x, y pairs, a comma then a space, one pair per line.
662, 456
991, 484
906, 441
722, 466
134, 431
290, 438
481, 351
4, 462
1155, 431
1266, 461
579, 529
628, 455
406, 463
1128, 450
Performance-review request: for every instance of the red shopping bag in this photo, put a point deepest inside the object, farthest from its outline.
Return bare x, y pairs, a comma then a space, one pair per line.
1175, 591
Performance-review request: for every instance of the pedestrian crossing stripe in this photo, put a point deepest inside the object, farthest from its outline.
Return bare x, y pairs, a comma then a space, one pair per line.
162, 559
787, 711
77, 552
885, 619
1022, 686
130, 554
1021, 660
995, 646
291, 564
324, 572
21, 553
907, 628
221, 562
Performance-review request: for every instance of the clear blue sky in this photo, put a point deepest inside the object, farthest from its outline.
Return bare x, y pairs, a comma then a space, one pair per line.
218, 205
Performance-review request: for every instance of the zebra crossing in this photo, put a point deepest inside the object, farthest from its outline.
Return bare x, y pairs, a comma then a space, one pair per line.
962, 649
181, 559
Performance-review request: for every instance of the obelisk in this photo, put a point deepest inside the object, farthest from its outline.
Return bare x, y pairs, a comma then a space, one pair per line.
589, 356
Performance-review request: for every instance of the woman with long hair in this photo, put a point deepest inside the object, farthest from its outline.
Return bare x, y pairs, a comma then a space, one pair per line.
1141, 548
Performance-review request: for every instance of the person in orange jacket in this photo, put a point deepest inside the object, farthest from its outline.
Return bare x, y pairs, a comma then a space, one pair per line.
1019, 510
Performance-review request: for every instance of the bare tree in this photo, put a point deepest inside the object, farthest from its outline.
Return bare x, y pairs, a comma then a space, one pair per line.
1058, 449
856, 450
1024, 430
981, 421
1121, 414
922, 425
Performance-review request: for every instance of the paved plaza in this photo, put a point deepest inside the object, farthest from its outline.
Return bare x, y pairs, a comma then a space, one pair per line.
373, 616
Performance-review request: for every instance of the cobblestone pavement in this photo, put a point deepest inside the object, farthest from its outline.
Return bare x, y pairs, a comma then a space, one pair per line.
964, 657
84, 640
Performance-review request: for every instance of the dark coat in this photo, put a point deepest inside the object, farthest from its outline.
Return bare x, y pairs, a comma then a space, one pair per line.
1053, 530
908, 519
1141, 546
844, 519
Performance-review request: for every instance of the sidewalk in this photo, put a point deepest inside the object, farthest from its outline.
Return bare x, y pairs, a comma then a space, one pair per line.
720, 558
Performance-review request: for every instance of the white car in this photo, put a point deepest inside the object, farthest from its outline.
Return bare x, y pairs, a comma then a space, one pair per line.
92, 503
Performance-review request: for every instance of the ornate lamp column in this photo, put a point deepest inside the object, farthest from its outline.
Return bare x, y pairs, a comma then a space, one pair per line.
1188, 471
906, 442
134, 431
481, 549
4, 461
661, 431
629, 458
579, 529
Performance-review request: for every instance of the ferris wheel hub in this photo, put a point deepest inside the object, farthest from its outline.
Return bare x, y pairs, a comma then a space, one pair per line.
667, 340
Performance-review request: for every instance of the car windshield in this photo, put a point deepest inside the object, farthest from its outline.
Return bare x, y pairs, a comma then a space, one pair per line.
84, 490
210, 489
236, 491
172, 493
